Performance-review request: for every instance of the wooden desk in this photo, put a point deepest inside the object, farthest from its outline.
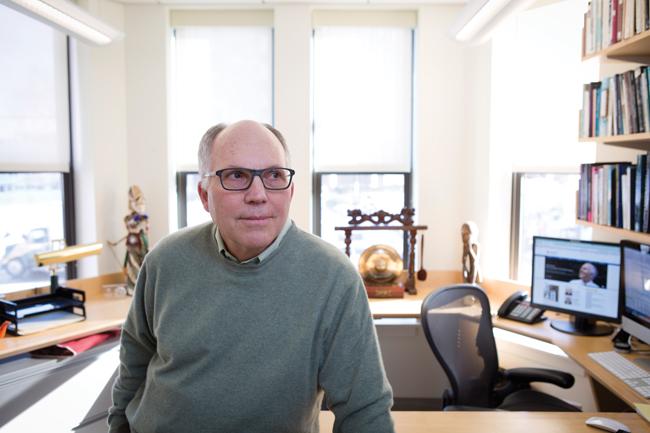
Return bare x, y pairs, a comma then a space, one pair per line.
498, 422
576, 347
104, 311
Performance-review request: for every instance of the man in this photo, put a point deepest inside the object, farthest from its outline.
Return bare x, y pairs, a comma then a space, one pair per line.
242, 325
587, 274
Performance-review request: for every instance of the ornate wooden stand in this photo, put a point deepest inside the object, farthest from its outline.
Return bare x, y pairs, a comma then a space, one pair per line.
381, 221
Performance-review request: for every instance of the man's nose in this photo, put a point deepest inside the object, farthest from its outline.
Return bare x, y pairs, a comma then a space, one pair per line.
256, 192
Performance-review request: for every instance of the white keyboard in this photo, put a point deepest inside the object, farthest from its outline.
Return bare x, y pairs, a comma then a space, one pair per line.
626, 370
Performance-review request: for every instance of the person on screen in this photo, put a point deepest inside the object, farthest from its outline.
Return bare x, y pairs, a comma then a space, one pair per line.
247, 323
587, 274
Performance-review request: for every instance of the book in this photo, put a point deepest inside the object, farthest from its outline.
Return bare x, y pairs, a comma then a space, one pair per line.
620, 14
625, 199
638, 96
614, 22
385, 290
644, 97
603, 107
646, 198
639, 192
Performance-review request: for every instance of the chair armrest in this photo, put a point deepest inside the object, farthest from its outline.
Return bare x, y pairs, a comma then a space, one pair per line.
462, 408
527, 375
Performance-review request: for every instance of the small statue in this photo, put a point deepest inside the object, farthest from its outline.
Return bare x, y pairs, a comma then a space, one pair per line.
137, 237
471, 267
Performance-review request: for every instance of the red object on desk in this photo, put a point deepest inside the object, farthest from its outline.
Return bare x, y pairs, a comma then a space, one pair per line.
3, 328
74, 347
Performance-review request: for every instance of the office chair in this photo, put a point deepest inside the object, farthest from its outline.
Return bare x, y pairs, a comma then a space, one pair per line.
458, 326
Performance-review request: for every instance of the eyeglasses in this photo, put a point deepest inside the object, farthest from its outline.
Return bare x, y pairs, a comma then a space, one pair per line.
240, 179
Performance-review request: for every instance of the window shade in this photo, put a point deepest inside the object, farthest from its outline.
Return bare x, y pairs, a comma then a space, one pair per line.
362, 99
327, 18
214, 18
34, 114
220, 74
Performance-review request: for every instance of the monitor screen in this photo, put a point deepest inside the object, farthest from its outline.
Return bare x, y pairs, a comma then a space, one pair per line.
580, 278
635, 284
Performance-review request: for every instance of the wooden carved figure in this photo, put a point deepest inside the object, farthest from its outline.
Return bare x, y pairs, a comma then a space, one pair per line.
137, 238
471, 267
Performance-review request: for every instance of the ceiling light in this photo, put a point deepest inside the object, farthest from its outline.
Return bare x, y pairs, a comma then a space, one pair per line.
68, 17
479, 17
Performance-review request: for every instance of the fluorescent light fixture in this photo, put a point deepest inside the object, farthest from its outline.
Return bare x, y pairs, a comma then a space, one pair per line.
479, 17
67, 17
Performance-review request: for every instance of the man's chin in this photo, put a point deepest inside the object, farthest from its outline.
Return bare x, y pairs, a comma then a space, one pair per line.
256, 222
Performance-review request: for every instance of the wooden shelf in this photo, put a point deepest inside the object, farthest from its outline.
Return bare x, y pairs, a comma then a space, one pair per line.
634, 141
622, 233
634, 49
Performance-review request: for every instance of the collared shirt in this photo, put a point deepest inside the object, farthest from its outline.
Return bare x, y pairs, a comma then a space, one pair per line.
257, 259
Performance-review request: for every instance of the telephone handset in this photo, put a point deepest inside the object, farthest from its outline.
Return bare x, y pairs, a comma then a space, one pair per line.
517, 308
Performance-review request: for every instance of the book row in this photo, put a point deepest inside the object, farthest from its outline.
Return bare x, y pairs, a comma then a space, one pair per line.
616, 105
616, 194
609, 21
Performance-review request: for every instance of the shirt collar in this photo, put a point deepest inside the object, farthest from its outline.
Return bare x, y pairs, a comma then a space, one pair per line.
257, 259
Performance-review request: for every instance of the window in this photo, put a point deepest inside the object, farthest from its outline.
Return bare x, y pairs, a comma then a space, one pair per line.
544, 204
222, 71
35, 186
190, 208
339, 192
362, 148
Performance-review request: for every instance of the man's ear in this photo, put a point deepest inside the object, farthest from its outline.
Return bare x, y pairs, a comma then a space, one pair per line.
203, 194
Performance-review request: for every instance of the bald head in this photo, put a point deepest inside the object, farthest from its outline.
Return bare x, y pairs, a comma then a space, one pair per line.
224, 130
588, 272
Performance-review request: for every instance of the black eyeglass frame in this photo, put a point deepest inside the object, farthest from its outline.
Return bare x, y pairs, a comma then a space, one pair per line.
253, 173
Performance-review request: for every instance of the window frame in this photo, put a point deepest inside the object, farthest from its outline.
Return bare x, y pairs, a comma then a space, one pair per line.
515, 215
317, 190
181, 196
67, 178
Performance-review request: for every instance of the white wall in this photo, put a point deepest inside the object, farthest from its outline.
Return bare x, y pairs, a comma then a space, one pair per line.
451, 160
292, 100
99, 140
149, 165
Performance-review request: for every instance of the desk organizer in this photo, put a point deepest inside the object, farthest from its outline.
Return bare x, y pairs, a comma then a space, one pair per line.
62, 299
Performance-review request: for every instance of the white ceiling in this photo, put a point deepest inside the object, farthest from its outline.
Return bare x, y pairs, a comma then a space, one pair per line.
400, 3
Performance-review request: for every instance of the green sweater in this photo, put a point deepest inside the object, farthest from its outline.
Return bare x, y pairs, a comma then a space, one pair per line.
210, 345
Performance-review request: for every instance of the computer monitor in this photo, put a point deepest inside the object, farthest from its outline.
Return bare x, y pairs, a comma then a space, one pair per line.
635, 284
580, 278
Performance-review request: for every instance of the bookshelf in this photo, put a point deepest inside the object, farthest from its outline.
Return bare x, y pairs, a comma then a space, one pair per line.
616, 114
618, 233
640, 141
634, 49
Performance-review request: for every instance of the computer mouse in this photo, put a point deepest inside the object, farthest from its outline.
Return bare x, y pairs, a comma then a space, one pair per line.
607, 424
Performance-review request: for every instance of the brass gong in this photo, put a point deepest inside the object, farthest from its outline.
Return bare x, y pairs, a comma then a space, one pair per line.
380, 264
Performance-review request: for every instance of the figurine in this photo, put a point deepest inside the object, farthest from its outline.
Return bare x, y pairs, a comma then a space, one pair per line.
137, 237
471, 267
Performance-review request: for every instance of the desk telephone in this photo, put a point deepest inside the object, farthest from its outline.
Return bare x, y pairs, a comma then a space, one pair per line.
517, 308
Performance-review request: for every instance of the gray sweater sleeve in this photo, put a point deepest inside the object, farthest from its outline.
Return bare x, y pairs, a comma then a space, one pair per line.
352, 374
137, 347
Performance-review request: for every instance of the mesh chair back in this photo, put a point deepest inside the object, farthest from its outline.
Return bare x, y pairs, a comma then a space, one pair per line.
457, 324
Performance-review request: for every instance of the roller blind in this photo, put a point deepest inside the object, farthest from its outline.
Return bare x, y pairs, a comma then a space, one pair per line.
34, 114
362, 99
216, 18
219, 74
328, 18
